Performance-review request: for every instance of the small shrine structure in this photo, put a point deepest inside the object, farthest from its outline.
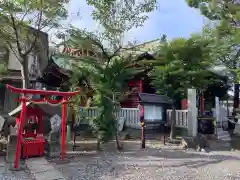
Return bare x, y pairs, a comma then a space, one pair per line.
37, 115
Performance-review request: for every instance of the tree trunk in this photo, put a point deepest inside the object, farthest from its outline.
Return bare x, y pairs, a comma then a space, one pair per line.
236, 96
173, 122
119, 147
98, 144
25, 73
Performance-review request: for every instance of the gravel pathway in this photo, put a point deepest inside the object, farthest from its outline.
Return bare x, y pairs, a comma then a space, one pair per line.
155, 163
5, 174
18, 175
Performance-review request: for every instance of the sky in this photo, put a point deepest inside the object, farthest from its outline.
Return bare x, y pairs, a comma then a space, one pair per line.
173, 18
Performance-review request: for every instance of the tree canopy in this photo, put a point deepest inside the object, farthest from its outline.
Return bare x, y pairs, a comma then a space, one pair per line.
184, 63
225, 35
224, 10
107, 74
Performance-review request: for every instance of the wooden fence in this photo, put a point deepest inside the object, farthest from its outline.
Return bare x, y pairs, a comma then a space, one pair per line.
181, 118
131, 115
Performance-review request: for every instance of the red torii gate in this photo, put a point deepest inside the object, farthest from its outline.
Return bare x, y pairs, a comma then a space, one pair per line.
24, 99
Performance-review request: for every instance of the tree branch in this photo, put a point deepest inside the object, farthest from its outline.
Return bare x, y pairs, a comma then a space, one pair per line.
96, 42
110, 57
16, 34
38, 31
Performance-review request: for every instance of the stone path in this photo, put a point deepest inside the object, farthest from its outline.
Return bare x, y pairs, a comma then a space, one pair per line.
42, 170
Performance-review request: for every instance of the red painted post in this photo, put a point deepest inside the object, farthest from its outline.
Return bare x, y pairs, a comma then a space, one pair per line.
64, 114
19, 134
141, 86
143, 135
163, 139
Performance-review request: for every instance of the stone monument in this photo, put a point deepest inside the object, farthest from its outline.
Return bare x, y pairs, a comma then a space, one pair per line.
52, 146
192, 113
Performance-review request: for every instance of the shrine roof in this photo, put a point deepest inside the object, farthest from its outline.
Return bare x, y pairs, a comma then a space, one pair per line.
47, 109
154, 99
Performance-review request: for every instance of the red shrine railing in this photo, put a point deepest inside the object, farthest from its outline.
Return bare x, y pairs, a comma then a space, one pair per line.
24, 99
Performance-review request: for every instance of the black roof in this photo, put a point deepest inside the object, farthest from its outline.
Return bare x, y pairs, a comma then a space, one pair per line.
146, 55
53, 75
154, 98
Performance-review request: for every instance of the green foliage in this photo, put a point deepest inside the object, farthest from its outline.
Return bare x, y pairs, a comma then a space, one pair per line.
4, 53
119, 16
3, 69
225, 36
184, 64
107, 77
108, 72
123, 15
226, 10
224, 47
218, 89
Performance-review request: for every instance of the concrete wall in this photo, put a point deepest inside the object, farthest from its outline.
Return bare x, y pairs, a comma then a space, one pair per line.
40, 50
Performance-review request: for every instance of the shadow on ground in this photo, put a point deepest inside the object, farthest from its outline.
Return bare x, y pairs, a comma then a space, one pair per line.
235, 142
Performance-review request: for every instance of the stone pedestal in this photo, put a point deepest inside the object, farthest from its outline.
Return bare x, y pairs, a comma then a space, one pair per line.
52, 146
3, 145
11, 150
69, 133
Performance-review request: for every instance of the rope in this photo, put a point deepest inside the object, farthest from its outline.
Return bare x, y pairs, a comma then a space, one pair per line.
45, 102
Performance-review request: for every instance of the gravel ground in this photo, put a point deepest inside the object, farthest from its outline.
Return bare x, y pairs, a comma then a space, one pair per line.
5, 174
18, 175
154, 163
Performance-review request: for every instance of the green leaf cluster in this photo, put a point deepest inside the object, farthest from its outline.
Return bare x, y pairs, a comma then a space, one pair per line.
181, 64
108, 72
225, 34
107, 76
